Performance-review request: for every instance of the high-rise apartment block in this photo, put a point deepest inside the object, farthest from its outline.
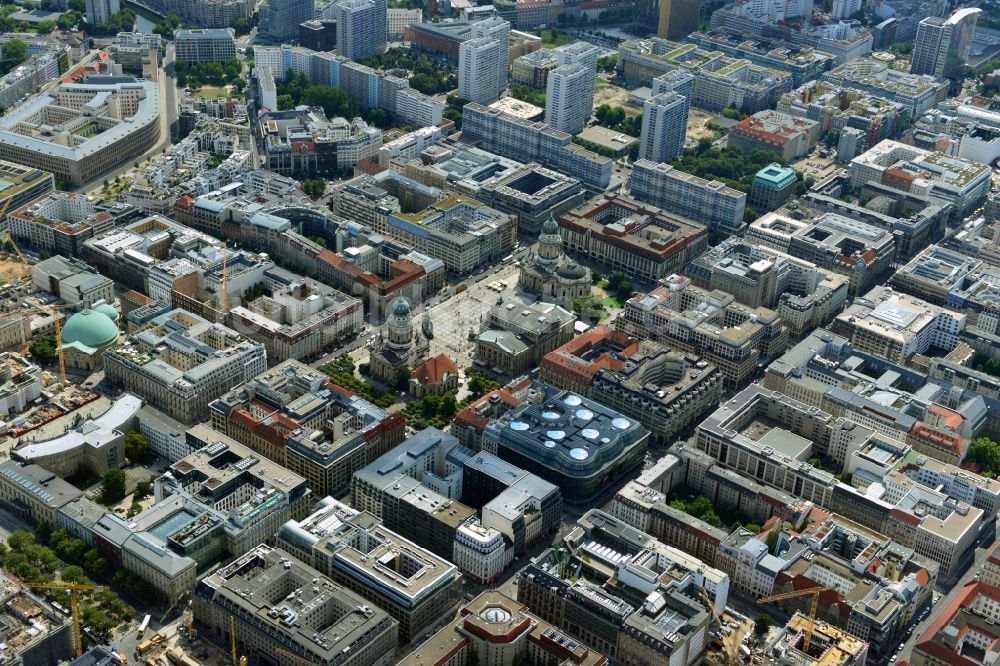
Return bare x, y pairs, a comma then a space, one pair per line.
280, 19
205, 45
942, 45
570, 87
362, 28
99, 11
482, 61
664, 127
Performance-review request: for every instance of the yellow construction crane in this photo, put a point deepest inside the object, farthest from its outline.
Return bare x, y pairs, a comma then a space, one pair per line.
731, 642
811, 624
292, 655
74, 605
51, 309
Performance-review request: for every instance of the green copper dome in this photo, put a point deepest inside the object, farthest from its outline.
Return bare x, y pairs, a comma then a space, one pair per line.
91, 328
400, 308
550, 226
109, 310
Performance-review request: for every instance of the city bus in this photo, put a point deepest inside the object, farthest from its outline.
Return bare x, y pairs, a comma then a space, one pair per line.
142, 627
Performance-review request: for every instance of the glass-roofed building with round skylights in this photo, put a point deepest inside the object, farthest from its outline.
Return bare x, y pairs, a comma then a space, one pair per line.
571, 441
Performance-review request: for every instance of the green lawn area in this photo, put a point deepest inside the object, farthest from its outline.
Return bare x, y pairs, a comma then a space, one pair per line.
211, 92
601, 83
560, 38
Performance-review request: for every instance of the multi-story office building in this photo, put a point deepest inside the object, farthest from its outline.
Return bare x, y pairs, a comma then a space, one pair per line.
496, 629
664, 127
182, 362
219, 500
461, 232
72, 281
906, 168
942, 44
665, 391
104, 123
21, 185
804, 295
617, 232
860, 251
362, 28
916, 92
304, 141
61, 222
533, 69
678, 18
772, 186
526, 141
399, 18
310, 425
34, 494
533, 193
895, 326
416, 587
205, 44
786, 136
279, 19
802, 61
714, 325
99, 11
709, 202
274, 601
572, 441
719, 80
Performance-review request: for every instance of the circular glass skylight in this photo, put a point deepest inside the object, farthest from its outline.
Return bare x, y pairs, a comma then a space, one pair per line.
579, 454
621, 423
551, 416
549, 444
584, 414
573, 400
590, 433
518, 425
495, 615
555, 434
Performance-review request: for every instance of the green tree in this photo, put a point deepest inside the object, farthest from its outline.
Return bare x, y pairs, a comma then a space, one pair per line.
752, 527
285, 102
449, 405
429, 406
314, 188
134, 510
74, 574
141, 492
43, 532
20, 539
77, 5
985, 453
69, 20
379, 118
607, 63
771, 541
15, 52
761, 624
94, 562
402, 379
136, 447
113, 486
45, 27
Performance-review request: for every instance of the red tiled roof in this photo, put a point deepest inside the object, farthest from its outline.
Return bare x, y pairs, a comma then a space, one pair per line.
434, 370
